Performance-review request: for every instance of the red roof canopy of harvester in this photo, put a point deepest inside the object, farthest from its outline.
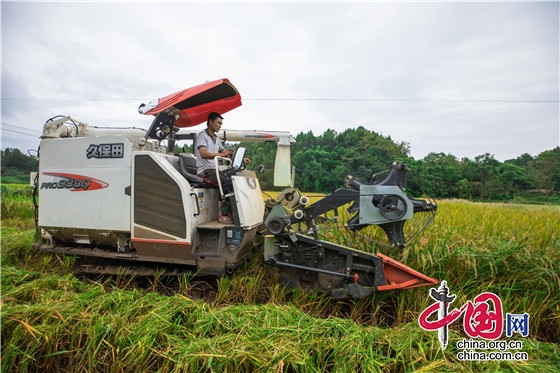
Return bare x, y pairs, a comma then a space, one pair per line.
195, 103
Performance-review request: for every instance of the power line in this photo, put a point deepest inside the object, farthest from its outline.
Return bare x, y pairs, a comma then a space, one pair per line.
339, 99
13, 125
21, 133
19, 127
76, 99
396, 100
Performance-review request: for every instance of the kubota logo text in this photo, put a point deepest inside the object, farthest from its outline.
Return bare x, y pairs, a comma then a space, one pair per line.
73, 182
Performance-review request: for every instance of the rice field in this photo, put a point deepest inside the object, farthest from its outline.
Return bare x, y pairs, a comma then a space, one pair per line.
53, 321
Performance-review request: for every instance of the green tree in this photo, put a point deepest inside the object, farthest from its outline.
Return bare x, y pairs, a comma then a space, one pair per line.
463, 189
514, 179
545, 170
483, 175
16, 166
522, 161
488, 171
441, 173
324, 161
262, 154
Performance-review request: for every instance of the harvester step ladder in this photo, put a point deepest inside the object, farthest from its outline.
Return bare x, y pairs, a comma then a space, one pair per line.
209, 239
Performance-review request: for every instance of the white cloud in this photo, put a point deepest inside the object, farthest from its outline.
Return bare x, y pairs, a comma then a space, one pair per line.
98, 61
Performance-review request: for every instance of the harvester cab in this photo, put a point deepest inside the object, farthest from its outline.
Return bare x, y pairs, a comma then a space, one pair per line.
123, 198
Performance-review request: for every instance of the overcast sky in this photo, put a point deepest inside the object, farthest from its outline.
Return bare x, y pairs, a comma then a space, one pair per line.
459, 78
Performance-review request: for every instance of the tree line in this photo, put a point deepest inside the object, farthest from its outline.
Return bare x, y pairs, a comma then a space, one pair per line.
322, 163
16, 166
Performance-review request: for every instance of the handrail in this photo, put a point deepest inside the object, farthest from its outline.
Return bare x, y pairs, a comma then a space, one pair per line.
216, 165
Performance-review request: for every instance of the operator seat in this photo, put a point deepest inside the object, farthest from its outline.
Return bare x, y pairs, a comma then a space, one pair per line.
188, 168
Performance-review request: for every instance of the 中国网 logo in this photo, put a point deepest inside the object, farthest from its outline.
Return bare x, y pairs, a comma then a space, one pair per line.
483, 322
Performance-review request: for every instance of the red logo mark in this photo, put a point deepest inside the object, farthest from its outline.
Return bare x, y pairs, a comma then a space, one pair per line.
479, 320
73, 182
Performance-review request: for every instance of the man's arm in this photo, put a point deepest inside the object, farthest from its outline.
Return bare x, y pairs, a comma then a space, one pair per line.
204, 153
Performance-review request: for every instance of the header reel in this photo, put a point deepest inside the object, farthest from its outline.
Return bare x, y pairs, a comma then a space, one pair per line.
308, 262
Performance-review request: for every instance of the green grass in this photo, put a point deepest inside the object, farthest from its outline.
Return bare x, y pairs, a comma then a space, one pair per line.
53, 322
57, 322
17, 206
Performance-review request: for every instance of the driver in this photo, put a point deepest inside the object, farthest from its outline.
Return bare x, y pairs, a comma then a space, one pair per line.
209, 146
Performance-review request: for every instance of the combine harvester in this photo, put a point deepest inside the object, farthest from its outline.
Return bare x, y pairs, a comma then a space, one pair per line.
121, 198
